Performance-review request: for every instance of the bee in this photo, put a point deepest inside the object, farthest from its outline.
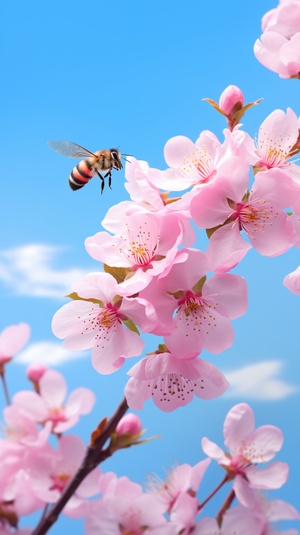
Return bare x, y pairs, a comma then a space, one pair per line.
94, 163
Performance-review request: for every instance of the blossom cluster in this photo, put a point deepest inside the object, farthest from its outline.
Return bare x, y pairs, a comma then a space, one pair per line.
278, 47
154, 280
34, 473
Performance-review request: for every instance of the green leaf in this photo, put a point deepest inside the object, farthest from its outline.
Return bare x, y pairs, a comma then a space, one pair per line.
76, 297
197, 288
131, 326
118, 273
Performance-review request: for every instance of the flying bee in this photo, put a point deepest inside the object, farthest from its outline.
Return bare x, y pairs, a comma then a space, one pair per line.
94, 163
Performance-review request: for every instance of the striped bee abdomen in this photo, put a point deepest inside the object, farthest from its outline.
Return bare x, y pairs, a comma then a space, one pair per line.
80, 175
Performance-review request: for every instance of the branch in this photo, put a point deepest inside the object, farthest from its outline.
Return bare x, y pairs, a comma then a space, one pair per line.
94, 455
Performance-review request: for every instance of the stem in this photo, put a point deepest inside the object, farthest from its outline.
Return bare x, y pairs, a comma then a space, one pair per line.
226, 505
94, 455
5, 389
224, 480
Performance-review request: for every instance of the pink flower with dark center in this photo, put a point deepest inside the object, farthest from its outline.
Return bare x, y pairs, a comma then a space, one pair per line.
204, 307
228, 205
99, 319
172, 382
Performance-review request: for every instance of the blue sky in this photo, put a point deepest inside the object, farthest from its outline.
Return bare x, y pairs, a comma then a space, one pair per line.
133, 74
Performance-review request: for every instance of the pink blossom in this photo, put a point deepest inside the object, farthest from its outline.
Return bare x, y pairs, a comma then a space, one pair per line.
190, 163
49, 404
228, 205
21, 429
50, 471
124, 507
292, 281
278, 47
98, 320
145, 246
283, 19
203, 313
248, 447
12, 339
183, 479
277, 137
172, 382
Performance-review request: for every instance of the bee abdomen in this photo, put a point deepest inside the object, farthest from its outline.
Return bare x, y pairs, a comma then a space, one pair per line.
80, 175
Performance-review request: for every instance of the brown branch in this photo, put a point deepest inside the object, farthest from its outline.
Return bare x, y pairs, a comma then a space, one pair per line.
94, 456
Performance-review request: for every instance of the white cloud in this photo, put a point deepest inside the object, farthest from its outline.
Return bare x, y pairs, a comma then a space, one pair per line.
259, 381
48, 353
28, 270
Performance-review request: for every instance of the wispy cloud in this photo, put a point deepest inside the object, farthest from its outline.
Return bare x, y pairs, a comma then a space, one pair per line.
49, 353
28, 270
259, 381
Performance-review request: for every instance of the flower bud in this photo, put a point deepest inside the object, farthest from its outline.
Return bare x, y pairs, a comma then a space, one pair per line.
231, 100
130, 424
35, 371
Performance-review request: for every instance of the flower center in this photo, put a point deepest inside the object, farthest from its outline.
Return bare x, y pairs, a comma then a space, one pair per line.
198, 164
253, 217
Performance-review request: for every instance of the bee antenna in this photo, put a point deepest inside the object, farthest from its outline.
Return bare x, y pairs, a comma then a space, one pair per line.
128, 161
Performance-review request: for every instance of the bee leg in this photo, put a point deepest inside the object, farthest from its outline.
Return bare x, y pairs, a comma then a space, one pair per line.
109, 179
102, 181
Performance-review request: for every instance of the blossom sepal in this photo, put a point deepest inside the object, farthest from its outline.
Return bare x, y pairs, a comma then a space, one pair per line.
236, 113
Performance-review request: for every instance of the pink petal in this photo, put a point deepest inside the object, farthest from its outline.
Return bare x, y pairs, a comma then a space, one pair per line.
13, 338
122, 344
271, 477
238, 425
226, 248
53, 388
292, 281
214, 451
266, 441
231, 291
244, 493
80, 401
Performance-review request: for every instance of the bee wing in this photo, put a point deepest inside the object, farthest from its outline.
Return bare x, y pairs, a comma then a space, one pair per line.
72, 150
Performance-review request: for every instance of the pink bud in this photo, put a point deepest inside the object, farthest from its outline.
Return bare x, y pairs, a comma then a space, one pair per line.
231, 99
130, 424
35, 371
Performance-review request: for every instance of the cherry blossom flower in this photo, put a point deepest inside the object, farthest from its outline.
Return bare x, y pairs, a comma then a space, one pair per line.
182, 480
259, 214
50, 470
146, 244
12, 339
277, 143
172, 382
248, 447
21, 430
191, 164
203, 312
49, 406
278, 47
98, 320
125, 508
